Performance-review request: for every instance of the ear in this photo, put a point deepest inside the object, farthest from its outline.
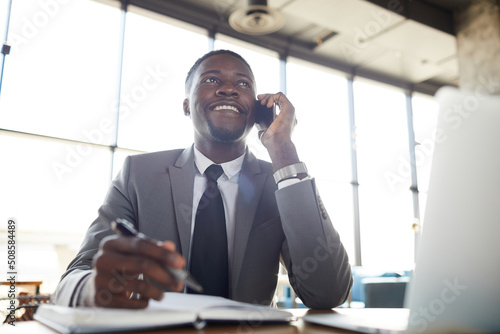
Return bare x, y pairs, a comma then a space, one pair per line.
185, 106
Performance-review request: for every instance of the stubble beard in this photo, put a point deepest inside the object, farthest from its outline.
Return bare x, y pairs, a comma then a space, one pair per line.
224, 135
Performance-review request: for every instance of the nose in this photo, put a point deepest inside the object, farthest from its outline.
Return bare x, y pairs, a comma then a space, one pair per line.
226, 89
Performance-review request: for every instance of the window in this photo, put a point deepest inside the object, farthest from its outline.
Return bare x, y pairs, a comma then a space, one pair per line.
156, 61
386, 212
62, 74
322, 138
51, 208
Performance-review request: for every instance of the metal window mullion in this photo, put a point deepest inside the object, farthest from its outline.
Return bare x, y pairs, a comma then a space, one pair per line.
211, 39
413, 164
354, 168
121, 48
283, 61
4, 45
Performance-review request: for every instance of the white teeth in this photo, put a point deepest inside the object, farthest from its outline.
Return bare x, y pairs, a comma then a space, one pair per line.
227, 108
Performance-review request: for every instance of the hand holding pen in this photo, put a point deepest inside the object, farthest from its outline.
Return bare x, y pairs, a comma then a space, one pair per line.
119, 263
127, 229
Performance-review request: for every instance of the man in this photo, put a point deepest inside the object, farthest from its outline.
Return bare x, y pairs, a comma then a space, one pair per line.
161, 193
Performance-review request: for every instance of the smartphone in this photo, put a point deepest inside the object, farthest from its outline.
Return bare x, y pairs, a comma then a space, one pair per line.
264, 116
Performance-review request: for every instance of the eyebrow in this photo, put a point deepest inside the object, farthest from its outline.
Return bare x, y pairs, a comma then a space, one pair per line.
219, 72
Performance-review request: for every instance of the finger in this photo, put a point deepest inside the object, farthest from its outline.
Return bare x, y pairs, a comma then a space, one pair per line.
177, 285
270, 99
147, 289
137, 246
277, 98
125, 265
121, 301
266, 99
169, 245
116, 283
124, 268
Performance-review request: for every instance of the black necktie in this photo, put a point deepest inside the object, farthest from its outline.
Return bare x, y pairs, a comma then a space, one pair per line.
209, 259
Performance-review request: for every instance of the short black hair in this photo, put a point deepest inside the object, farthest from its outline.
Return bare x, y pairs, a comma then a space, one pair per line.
189, 77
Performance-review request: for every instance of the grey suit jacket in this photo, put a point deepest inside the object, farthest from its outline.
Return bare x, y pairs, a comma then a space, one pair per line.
155, 192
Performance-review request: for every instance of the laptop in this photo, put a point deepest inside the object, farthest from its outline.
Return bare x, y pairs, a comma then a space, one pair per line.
456, 283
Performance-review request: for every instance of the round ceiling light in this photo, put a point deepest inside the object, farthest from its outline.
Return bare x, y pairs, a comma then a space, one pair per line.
256, 20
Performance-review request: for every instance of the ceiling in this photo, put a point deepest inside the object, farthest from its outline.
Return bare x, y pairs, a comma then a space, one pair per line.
410, 43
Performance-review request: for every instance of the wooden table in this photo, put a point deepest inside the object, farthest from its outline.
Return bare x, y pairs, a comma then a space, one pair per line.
24, 284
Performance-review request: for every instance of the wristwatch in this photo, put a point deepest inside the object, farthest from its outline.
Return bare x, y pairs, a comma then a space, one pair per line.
289, 172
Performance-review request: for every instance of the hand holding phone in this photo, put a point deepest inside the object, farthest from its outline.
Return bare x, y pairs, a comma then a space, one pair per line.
264, 116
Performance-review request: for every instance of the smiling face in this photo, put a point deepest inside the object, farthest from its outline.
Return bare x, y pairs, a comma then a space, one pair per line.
221, 101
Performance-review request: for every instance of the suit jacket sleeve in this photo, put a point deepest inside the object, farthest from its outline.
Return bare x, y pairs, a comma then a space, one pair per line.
316, 261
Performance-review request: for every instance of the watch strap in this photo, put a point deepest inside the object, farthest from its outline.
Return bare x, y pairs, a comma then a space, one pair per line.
289, 171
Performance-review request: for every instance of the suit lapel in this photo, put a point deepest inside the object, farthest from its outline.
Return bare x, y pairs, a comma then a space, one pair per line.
250, 185
182, 179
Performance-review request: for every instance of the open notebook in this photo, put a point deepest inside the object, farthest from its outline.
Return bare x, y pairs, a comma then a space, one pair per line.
456, 283
175, 309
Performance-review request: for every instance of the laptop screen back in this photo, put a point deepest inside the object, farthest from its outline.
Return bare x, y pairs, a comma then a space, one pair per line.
456, 284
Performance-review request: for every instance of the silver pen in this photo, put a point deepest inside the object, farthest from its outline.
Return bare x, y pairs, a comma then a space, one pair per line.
126, 228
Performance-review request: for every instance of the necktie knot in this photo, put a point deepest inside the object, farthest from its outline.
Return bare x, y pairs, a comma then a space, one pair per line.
213, 172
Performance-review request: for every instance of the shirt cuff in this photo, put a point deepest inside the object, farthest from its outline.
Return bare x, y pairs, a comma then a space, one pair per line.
289, 182
87, 293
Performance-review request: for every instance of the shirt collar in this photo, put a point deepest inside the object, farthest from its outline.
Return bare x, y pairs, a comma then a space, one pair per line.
230, 168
